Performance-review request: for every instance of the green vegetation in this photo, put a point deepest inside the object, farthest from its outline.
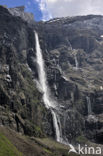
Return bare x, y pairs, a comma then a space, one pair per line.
6, 148
38, 131
47, 151
81, 139
54, 148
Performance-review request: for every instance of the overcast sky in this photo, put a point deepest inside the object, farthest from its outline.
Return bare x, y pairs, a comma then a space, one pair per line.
62, 8
47, 9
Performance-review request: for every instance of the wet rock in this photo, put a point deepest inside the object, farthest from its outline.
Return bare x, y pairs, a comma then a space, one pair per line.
61, 42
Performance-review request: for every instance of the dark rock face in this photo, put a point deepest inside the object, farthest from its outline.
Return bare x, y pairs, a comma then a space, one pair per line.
74, 46
21, 106
73, 52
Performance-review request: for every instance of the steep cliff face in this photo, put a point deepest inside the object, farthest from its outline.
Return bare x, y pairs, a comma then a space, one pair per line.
73, 52
74, 60
21, 106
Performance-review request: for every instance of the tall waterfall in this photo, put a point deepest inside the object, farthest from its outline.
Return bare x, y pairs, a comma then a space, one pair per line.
49, 103
76, 63
89, 105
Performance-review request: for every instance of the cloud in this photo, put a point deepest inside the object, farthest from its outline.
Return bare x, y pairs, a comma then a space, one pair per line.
46, 15
51, 1
63, 8
28, 3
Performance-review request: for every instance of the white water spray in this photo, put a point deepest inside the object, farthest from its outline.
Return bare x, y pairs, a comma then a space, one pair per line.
57, 126
76, 63
49, 103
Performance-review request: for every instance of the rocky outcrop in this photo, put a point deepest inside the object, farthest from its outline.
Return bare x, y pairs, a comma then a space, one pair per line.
74, 62
72, 50
19, 12
21, 106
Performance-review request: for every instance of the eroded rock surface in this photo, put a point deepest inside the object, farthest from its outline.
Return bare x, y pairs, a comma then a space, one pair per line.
73, 52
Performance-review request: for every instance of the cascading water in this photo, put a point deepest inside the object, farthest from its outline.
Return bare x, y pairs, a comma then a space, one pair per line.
89, 105
49, 103
76, 63
57, 126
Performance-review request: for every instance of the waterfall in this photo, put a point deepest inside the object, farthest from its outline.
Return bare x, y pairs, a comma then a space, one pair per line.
42, 76
76, 63
89, 106
49, 103
57, 126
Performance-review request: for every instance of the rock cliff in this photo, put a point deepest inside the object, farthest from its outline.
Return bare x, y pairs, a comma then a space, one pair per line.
72, 48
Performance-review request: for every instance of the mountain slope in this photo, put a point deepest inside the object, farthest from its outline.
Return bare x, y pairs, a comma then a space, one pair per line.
72, 49
74, 58
6, 148
29, 146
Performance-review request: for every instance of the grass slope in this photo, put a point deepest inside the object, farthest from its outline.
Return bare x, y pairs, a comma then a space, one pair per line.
29, 146
7, 148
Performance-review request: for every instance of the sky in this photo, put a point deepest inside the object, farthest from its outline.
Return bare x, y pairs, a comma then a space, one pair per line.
47, 9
